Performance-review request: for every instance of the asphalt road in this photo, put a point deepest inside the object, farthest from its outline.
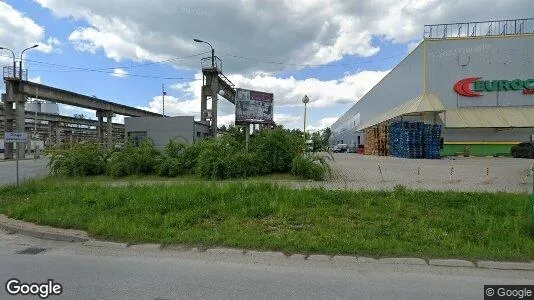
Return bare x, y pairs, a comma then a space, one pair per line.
28, 168
100, 273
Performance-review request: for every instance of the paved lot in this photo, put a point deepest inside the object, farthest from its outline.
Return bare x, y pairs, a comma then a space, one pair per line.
355, 171
28, 168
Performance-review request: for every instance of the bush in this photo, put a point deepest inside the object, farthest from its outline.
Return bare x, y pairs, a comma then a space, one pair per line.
174, 149
80, 160
276, 150
213, 164
170, 167
192, 152
308, 168
134, 161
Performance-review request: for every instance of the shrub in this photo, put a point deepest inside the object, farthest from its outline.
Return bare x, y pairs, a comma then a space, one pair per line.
133, 161
276, 150
174, 149
80, 160
213, 164
308, 168
170, 167
192, 152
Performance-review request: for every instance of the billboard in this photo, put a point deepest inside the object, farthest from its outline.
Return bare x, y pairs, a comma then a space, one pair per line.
253, 107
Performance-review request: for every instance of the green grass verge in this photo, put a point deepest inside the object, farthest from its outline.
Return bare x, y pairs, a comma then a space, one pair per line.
268, 217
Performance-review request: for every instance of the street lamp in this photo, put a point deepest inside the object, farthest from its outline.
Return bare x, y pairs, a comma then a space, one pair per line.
305, 100
212, 51
14, 60
20, 63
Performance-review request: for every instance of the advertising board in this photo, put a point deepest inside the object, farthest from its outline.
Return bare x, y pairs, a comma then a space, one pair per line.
253, 107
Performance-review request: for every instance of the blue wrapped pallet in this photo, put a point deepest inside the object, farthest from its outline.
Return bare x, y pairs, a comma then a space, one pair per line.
405, 139
431, 141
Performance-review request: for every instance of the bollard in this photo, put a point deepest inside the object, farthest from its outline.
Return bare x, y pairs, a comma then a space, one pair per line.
380, 171
487, 174
452, 172
419, 173
530, 172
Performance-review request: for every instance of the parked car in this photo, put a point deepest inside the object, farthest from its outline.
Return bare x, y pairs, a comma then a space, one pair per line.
340, 148
523, 150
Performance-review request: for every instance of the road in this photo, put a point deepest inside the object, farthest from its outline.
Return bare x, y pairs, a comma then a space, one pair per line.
28, 168
107, 272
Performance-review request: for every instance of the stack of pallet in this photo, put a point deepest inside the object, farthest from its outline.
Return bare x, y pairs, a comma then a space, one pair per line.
406, 139
431, 141
376, 141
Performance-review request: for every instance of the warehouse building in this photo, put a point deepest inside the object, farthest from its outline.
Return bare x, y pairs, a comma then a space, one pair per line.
474, 79
161, 130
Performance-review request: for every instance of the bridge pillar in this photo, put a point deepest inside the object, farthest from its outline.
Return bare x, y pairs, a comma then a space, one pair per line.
20, 109
101, 132
9, 117
214, 96
110, 132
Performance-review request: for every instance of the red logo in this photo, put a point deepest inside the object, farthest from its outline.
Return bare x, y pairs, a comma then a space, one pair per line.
463, 87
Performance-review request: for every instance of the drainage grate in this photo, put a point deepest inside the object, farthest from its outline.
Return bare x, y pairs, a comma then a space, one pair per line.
31, 250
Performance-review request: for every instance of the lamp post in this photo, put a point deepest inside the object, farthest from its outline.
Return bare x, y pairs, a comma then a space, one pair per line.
14, 61
212, 51
305, 100
20, 63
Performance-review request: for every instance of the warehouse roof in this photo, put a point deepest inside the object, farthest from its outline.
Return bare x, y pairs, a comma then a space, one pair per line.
490, 117
423, 103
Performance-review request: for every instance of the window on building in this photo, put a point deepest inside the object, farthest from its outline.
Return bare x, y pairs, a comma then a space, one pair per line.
198, 133
136, 137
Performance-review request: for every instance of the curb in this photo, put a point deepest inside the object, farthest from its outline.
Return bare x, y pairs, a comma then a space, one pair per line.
42, 232
68, 235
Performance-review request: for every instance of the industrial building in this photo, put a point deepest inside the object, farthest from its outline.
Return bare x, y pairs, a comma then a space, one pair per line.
475, 79
161, 130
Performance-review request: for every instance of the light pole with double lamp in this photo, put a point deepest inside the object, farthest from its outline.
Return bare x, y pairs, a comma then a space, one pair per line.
212, 51
20, 63
14, 61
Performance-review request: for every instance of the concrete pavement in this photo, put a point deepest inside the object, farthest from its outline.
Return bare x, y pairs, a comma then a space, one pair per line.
28, 168
96, 270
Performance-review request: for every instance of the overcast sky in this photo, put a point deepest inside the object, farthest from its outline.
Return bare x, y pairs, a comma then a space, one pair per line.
124, 50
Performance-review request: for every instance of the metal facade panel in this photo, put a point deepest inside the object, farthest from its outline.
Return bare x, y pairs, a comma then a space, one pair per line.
399, 86
495, 117
492, 58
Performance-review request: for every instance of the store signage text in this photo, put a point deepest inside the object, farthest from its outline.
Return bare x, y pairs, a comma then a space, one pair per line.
472, 86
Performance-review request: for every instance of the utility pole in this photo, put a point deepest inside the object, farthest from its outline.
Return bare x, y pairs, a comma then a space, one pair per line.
163, 93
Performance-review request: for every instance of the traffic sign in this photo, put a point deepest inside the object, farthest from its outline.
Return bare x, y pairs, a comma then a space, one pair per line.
16, 137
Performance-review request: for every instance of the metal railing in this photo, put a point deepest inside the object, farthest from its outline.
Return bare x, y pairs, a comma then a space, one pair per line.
10, 72
479, 29
207, 63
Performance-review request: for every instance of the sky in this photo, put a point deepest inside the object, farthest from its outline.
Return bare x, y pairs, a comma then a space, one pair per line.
334, 51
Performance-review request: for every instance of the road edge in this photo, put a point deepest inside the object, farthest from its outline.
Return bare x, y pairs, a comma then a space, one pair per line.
69, 235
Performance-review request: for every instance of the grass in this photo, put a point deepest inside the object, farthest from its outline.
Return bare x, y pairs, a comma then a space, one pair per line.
261, 216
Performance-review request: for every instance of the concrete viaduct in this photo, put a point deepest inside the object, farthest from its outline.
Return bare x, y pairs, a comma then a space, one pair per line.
18, 90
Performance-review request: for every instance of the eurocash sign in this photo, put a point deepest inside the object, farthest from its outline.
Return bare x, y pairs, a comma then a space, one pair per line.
472, 86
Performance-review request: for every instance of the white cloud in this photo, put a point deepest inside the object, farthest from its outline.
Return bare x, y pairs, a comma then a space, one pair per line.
35, 79
18, 32
120, 73
295, 32
288, 92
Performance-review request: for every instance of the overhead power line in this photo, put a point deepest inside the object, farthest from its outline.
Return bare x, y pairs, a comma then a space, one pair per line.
314, 65
74, 68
